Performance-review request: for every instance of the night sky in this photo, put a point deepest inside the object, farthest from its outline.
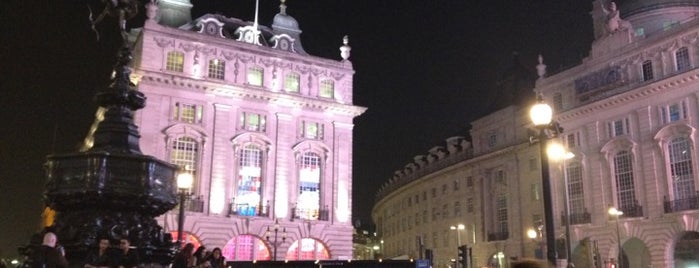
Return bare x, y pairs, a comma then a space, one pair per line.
424, 69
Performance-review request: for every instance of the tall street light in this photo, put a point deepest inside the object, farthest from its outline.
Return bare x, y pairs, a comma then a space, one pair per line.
533, 235
274, 242
184, 182
458, 229
616, 213
541, 114
557, 152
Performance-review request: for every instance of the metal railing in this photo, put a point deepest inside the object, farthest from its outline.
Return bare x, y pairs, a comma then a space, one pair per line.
499, 236
632, 211
689, 203
248, 210
310, 214
577, 218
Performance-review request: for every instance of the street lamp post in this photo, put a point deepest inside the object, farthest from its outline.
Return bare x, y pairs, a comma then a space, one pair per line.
557, 152
541, 115
458, 229
533, 235
616, 213
275, 243
184, 182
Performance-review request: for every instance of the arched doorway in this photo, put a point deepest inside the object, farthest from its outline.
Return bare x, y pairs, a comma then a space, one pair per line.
307, 249
637, 249
583, 253
246, 248
687, 250
186, 238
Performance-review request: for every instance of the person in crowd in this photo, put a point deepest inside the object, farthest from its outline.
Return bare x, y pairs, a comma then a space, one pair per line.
126, 257
48, 255
99, 258
184, 258
200, 258
216, 259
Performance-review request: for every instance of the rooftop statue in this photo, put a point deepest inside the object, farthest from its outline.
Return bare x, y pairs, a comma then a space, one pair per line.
614, 22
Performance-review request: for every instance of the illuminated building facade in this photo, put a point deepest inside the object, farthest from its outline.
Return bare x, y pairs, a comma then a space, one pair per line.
629, 112
264, 127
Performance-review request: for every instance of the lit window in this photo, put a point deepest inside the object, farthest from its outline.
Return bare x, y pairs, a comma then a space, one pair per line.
292, 82
255, 76
501, 213
681, 174
327, 88
246, 248
576, 200
673, 112
175, 61
188, 113
682, 59
307, 249
253, 122
184, 154
249, 191
647, 70
623, 174
217, 69
312, 130
308, 202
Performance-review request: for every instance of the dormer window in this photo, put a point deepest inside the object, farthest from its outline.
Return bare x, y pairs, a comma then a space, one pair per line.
682, 59
255, 76
327, 88
175, 61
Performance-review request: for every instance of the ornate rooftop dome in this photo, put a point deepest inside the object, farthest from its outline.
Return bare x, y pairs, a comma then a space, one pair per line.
284, 21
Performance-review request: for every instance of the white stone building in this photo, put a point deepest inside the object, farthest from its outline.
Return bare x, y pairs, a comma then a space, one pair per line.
264, 127
629, 112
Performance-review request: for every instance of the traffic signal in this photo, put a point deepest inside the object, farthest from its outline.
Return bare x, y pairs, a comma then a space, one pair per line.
464, 256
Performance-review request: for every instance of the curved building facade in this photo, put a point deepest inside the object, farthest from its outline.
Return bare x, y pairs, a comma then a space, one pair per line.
630, 113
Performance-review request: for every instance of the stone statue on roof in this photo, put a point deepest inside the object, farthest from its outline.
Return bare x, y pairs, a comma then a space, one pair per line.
614, 22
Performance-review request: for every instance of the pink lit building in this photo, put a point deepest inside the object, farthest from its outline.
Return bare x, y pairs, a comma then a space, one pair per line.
264, 127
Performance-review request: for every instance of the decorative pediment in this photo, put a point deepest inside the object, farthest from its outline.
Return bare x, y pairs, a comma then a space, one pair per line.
211, 26
249, 34
283, 42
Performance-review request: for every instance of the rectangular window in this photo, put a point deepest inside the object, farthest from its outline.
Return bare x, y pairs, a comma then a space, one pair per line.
253, 122
457, 209
469, 181
175, 61
557, 102
500, 177
682, 58
424, 216
255, 76
292, 82
417, 199
434, 192
502, 214
535, 192
435, 214
673, 112
618, 127
217, 69
327, 88
572, 140
647, 70
188, 113
444, 189
424, 195
312, 130
456, 185
469, 205
445, 211
623, 171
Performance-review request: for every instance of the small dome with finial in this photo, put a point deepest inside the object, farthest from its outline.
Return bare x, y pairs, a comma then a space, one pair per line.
284, 21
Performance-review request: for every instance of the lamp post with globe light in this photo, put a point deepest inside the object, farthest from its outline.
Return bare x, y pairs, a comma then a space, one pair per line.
557, 152
184, 183
541, 115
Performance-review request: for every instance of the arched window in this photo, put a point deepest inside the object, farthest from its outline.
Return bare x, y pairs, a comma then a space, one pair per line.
307, 249
308, 202
623, 174
681, 173
217, 69
175, 61
184, 153
327, 88
249, 183
246, 248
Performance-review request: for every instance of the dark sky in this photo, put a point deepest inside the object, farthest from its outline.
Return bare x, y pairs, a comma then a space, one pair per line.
424, 68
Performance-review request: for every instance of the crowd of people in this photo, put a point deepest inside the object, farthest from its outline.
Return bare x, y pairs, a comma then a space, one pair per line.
51, 255
199, 258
